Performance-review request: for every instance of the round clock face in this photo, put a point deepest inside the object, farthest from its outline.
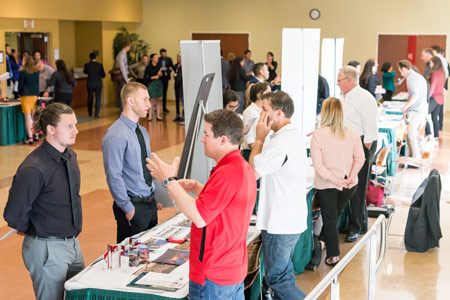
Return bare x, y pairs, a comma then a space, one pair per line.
314, 14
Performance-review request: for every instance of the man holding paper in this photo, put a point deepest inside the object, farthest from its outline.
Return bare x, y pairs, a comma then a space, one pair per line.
44, 204
221, 212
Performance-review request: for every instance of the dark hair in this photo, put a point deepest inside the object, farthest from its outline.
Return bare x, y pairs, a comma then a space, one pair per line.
353, 63
125, 44
7, 45
229, 96
227, 123
257, 89
247, 51
366, 73
436, 48
257, 67
92, 55
280, 100
162, 50
152, 55
61, 67
270, 53
49, 116
437, 66
386, 66
234, 69
37, 51
405, 64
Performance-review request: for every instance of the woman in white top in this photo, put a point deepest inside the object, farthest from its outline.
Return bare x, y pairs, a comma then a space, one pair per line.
251, 115
337, 155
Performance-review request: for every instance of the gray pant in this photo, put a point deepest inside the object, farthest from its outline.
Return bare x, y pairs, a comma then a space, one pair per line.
51, 263
414, 120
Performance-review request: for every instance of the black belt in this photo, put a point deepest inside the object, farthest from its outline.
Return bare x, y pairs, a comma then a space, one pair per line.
53, 238
146, 200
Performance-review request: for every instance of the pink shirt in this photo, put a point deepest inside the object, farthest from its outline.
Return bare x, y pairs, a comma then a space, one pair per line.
335, 158
437, 86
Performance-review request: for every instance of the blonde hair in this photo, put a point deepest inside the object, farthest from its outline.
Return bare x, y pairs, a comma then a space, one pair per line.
129, 90
248, 101
30, 68
333, 116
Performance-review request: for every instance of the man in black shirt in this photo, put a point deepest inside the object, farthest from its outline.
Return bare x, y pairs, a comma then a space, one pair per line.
166, 67
44, 204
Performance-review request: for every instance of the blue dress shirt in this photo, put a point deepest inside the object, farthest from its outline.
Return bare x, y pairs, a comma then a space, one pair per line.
122, 162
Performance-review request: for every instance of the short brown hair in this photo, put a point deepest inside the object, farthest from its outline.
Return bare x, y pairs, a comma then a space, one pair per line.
125, 44
282, 101
406, 64
50, 116
130, 89
227, 123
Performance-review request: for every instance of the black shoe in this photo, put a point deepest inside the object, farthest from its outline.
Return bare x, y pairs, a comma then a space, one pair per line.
96, 117
182, 119
351, 237
176, 119
166, 110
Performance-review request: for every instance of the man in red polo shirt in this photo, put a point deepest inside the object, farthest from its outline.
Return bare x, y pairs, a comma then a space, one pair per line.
221, 213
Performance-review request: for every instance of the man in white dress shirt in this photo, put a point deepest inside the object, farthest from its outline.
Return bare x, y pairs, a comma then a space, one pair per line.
360, 113
282, 210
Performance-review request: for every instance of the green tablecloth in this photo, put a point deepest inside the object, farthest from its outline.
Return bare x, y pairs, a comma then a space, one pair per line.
303, 249
12, 125
98, 294
390, 112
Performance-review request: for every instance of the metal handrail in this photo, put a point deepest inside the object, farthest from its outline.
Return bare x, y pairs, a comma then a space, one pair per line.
332, 276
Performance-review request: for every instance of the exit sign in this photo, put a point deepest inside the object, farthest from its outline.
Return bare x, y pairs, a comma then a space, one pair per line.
28, 23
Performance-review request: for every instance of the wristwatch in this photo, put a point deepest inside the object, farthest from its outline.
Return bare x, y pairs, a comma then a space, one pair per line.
166, 181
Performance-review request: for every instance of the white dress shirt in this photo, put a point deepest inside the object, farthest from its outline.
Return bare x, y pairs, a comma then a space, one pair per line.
251, 116
282, 201
360, 113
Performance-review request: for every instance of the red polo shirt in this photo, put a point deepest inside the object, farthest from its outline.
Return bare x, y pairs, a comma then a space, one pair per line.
225, 204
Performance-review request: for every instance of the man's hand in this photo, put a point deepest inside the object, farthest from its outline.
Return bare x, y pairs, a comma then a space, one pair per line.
159, 169
187, 184
159, 206
263, 127
45, 94
368, 145
130, 215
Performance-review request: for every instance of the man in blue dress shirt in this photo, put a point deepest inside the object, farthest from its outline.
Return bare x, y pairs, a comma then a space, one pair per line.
125, 147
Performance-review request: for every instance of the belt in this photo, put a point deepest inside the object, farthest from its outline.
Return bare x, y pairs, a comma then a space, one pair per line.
53, 238
148, 199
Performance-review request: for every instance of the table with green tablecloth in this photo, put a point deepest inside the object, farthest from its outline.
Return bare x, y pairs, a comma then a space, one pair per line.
12, 124
95, 283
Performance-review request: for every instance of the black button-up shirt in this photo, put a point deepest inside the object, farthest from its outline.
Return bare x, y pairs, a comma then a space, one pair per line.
39, 199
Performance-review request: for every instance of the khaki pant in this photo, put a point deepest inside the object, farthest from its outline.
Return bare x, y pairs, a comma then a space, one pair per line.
414, 120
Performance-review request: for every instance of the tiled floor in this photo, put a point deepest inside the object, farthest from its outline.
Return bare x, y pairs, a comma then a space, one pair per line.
402, 275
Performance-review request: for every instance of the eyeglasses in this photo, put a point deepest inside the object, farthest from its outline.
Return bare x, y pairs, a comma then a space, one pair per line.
339, 80
232, 107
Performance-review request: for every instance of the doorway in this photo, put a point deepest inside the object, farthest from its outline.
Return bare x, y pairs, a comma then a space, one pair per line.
29, 41
395, 47
235, 43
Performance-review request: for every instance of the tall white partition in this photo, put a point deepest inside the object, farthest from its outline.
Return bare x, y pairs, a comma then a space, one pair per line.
299, 75
200, 58
332, 53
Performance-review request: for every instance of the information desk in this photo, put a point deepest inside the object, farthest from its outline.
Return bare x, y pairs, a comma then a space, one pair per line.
95, 283
12, 123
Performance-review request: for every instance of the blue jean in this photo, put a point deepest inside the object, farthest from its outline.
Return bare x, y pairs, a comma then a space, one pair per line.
213, 291
278, 250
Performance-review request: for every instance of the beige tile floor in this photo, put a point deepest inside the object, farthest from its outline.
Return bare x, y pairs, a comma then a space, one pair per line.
402, 275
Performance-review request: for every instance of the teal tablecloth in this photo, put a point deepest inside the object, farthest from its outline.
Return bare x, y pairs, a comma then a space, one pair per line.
98, 294
303, 249
12, 125
391, 164
394, 112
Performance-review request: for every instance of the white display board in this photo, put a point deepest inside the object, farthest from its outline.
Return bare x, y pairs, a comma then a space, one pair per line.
299, 75
331, 62
200, 58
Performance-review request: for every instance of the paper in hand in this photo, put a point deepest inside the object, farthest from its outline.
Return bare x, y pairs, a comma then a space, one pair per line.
8, 234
